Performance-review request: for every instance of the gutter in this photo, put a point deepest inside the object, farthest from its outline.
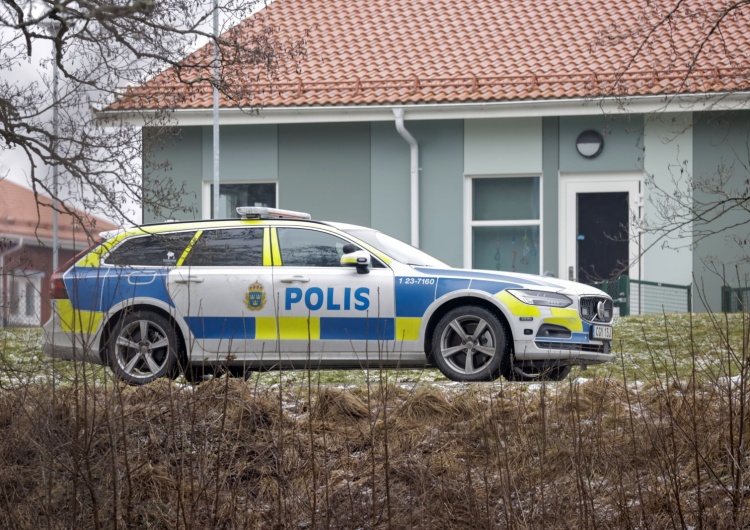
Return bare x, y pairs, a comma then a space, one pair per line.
414, 174
431, 111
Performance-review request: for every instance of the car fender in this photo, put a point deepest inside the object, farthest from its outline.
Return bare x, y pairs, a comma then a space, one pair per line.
143, 301
462, 293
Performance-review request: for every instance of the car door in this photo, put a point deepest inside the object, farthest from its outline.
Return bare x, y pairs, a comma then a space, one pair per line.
338, 315
222, 289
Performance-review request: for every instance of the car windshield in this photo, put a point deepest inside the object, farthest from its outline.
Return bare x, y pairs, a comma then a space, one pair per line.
394, 248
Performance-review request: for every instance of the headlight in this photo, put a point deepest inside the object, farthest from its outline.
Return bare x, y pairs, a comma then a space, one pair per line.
531, 297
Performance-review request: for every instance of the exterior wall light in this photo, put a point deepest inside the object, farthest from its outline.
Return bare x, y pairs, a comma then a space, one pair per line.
589, 144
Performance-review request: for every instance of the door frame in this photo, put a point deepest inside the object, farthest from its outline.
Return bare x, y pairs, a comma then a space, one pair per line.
613, 182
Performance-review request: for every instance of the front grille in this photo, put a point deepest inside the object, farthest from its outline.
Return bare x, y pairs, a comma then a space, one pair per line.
571, 346
590, 310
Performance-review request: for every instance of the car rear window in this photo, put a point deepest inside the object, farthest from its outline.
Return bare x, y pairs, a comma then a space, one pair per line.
150, 250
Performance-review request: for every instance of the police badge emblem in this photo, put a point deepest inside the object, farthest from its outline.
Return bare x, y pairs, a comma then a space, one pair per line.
255, 297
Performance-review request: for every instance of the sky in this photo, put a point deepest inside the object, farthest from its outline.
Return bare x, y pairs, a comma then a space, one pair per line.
14, 164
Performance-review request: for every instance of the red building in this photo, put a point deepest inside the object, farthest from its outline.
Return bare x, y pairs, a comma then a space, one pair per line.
26, 251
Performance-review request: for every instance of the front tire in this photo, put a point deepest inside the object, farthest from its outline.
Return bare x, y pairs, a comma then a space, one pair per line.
143, 348
469, 344
536, 374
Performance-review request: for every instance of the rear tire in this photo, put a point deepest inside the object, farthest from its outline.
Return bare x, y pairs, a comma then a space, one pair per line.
143, 348
469, 344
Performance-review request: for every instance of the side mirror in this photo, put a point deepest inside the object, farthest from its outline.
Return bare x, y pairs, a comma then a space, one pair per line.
354, 257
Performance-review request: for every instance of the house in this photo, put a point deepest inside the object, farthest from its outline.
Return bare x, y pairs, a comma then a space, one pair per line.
26, 251
526, 136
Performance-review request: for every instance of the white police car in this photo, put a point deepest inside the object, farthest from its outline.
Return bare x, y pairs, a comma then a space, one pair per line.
278, 290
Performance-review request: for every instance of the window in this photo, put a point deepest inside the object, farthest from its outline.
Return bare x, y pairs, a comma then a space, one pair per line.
505, 223
152, 250
310, 248
236, 247
233, 195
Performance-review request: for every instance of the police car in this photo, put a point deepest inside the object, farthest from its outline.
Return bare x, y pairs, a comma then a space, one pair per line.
276, 289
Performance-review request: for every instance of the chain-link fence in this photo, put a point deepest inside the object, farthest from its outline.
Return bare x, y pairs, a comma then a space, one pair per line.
21, 305
638, 297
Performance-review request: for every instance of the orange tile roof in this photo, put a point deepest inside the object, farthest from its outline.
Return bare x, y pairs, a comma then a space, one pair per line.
23, 214
365, 52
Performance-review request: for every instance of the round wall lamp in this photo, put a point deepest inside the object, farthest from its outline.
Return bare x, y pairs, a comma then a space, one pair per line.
589, 144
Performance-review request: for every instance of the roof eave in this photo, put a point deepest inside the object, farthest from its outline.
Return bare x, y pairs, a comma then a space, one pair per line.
432, 111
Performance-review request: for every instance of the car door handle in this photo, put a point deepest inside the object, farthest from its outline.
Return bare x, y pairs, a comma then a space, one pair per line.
188, 279
293, 279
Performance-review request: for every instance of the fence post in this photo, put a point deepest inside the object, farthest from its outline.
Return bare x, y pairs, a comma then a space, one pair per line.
623, 289
725, 299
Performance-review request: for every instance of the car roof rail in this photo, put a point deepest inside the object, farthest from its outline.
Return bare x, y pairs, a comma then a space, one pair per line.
262, 212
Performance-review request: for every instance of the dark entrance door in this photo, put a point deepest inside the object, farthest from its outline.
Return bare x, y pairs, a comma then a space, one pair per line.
602, 236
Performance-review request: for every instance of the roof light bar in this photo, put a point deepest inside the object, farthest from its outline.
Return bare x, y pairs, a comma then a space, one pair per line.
261, 212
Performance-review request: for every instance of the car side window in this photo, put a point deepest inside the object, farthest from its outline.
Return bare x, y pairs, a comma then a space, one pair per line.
234, 247
301, 247
153, 250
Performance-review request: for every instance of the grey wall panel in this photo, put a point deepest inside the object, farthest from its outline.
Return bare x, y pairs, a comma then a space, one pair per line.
720, 151
324, 169
247, 153
172, 161
503, 146
623, 143
441, 187
390, 170
550, 186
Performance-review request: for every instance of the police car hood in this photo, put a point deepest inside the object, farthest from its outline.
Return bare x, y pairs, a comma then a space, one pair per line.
523, 281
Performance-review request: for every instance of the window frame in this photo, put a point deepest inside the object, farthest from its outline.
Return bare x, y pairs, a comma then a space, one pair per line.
206, 196
470, 223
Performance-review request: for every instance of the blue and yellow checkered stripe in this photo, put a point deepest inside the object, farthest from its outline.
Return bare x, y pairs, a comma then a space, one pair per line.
291, 328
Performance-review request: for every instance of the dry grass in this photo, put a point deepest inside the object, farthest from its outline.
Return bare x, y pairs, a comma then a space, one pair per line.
668, 450
599, 454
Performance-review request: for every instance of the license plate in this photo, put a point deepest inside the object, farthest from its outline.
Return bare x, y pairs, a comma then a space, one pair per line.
601, 332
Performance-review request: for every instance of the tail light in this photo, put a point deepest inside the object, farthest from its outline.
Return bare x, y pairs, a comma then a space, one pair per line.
57, 289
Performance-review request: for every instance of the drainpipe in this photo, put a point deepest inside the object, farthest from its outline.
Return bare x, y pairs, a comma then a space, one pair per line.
414, 154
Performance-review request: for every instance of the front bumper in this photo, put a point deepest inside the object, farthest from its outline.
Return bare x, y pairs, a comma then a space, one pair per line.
593, 352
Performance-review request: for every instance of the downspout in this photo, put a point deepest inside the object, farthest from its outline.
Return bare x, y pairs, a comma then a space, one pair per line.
414, 172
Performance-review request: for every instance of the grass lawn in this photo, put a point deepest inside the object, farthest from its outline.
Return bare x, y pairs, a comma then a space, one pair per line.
648, 348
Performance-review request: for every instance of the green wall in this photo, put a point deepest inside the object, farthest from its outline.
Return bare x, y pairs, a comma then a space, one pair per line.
441, 188
550, 187
246, 153
349, 172
623, 143
390, 184
324, 169
172, 159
